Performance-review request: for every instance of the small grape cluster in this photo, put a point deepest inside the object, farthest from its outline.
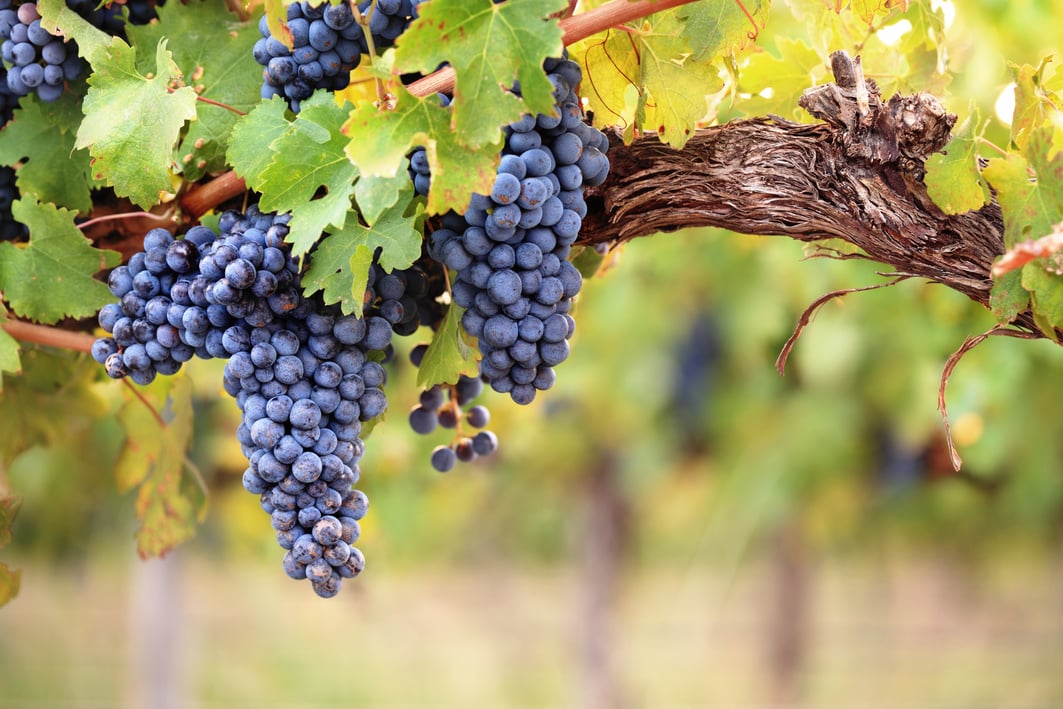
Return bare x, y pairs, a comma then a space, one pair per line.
327, 44
36, 60
451, 406
304, 376
510, 247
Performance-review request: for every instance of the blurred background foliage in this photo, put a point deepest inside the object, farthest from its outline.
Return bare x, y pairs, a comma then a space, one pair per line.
753, 539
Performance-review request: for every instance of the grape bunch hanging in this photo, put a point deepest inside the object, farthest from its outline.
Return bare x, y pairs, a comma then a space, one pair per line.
307, 377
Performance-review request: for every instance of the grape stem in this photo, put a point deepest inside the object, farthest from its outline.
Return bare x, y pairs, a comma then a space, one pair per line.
50, 336
219, 104
364, 21
125, 215
200, 200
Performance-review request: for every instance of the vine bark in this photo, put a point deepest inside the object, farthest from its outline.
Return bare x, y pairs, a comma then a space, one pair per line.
857, 177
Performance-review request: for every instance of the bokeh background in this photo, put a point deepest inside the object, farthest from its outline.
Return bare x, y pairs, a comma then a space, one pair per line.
674, 525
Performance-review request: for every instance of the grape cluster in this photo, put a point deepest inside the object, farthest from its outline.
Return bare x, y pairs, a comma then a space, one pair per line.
389, 19
451, 406
36, 60
9, 228
304, 376
510, 247
305, 385
327, 44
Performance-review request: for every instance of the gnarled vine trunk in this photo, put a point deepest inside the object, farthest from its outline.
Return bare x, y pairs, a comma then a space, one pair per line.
857, 177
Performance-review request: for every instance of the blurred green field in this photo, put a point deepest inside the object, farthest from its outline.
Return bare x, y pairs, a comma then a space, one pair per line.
190, 632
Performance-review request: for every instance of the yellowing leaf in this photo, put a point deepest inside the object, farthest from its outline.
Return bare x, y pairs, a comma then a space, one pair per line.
776, 82
9, 507
9, 579
1046, 290
1028, 210
168, 504
671, 84
867, 10
714, 29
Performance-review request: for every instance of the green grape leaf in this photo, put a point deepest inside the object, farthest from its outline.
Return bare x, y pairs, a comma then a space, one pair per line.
249, 152
153, 461
340, 265
51, 277
309, 156
775, 82
341, 272
132, 122
62, 21
380, 141
376, 195
489, 45
648, 77
715, 28
448, 355
1046, 295
214, 58
953, 179
43, 141
1008, 298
